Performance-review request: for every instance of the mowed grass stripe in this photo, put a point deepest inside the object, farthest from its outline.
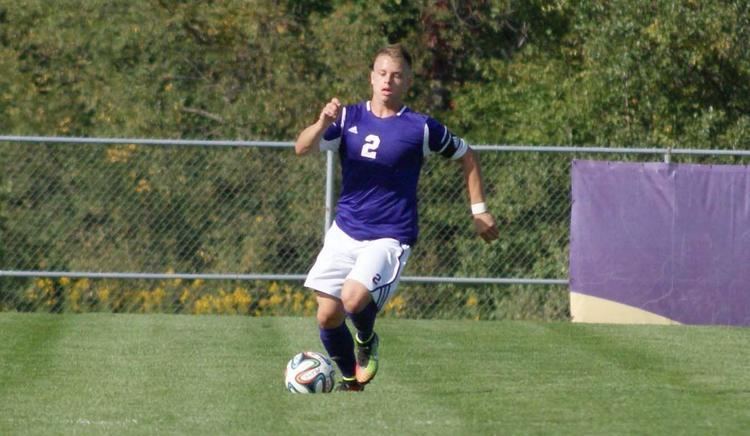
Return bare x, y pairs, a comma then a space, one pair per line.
482, 373
272, 409
33, 394
27, 353
669, 378
212, 374
442, 371
161, 373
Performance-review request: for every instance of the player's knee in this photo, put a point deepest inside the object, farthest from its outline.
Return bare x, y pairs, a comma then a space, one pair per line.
354, 296
329, 319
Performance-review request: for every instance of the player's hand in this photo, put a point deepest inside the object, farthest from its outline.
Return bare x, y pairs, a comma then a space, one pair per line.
486, 227
330, 112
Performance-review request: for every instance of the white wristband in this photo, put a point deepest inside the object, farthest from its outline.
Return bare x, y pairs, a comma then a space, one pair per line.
478, 208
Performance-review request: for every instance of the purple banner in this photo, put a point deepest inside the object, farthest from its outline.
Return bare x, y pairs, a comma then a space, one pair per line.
673, 240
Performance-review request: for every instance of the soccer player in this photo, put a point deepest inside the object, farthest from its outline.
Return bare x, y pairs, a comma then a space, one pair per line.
381, 144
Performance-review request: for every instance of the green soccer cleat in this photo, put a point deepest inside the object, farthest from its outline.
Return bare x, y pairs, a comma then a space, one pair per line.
349, 385
367, 358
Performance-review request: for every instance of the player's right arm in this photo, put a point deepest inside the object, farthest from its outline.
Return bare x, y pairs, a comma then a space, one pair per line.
309, 139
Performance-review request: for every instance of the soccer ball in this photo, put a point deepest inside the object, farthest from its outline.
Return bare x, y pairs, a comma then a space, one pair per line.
309, 373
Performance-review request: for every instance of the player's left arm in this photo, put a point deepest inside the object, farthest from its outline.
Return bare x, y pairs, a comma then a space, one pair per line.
438, 139
484, 222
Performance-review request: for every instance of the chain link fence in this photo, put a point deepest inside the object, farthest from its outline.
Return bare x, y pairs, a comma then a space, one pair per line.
205, 227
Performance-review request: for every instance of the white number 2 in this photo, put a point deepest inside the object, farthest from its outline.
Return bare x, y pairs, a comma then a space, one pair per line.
371, 144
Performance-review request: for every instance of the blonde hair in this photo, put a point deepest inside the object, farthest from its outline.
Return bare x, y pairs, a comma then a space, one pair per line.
394, 51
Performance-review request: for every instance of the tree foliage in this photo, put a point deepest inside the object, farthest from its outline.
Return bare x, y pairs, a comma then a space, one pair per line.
553, 72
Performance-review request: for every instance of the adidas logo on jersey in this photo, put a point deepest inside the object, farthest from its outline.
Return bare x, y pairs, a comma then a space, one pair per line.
353, 130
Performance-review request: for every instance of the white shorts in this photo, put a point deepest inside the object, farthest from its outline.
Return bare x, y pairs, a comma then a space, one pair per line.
377, 264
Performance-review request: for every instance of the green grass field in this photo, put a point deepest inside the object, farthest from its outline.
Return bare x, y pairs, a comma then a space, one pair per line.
170, 374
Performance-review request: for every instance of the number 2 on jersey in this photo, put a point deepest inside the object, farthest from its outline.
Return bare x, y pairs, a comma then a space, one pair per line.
372, 142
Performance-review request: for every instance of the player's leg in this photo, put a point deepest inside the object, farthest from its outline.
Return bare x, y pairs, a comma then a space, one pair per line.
326, 277
368, 287
362, 310
336, 337
359, 306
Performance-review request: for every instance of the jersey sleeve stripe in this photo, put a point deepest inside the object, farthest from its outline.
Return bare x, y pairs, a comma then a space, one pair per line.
445, 133
448, 149
461, 150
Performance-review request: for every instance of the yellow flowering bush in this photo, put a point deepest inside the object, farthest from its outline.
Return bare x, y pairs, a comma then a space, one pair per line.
259, 298
167, 296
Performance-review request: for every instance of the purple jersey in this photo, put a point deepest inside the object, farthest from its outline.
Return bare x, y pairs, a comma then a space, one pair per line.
380, 163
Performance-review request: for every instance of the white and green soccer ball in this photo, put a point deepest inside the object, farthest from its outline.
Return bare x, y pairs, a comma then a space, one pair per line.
309, 372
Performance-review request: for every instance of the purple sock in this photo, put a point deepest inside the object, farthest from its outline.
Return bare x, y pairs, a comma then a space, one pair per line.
339, 344
364, 321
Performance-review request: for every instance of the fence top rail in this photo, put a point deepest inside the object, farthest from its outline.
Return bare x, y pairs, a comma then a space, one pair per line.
289, 144
609, 150
144, 141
